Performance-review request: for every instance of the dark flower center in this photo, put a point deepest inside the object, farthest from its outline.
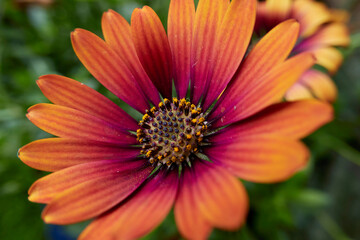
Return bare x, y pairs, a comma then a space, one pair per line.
172, 132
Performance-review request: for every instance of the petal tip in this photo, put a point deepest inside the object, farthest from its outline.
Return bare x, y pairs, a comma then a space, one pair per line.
31, 197
31, 109
40, 82
76, 32
108, 14
34, 195
47, 219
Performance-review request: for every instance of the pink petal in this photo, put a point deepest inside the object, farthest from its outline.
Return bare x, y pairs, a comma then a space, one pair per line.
262, 158
92, 198
270, 89
220, 197
232, 40
293, 120
54, 154
45, 189
139, 214
152, 47
117, 34
189, 220
208, 18
270, 51
108, 68
180, 29
73, 94
70, 123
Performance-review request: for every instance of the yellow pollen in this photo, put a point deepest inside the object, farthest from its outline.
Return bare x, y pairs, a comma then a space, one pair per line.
188, 147
176, 149
145, 117
188, 136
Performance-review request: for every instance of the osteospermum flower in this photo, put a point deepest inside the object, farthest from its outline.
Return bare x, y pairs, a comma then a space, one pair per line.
321, 30
182, 153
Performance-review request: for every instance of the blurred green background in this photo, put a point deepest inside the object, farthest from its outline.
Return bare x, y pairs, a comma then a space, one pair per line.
321, 202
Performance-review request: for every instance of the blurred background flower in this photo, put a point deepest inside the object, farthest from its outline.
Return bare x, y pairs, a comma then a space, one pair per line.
322, 30
321, 202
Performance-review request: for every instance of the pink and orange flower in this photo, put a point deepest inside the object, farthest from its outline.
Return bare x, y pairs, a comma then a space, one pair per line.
187, 153
321, 31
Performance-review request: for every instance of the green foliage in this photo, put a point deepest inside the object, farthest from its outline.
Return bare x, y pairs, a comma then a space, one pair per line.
320, 202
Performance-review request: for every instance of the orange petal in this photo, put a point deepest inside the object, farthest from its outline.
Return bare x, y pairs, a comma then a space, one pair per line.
293, 120
54, 154
220, 197
208, 19
298, 91
271, 50
320, 85
263, 159
180, 29
311, 15
108, 68
232, 40
92, 198
334, 34
46, 188
328, 57
70, 123
140, 214
117, 34
70, 93
189, 220
270, 89
152, 47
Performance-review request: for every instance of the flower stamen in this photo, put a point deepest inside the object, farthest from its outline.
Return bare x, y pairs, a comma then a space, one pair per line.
171, 132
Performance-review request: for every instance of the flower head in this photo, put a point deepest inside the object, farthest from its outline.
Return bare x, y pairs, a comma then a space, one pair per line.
321, 31
185, 152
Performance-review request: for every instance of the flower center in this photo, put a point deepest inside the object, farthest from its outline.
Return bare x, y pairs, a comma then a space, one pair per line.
172, 132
